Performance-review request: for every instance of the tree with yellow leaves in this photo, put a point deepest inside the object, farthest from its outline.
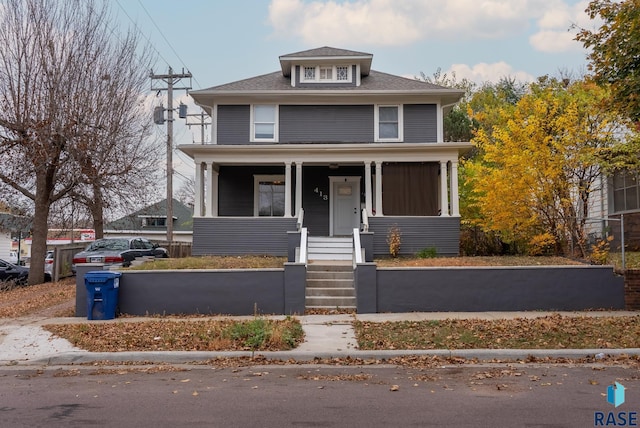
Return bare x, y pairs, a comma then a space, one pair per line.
539, 163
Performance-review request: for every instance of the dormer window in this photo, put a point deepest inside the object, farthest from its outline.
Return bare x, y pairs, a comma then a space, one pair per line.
309, 73
326, 74
342, 73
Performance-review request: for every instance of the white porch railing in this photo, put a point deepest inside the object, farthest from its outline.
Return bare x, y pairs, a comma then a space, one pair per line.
365, 220
304, 246
357, 247
300, 221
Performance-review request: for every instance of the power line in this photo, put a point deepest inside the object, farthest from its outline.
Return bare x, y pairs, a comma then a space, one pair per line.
143, 35
166, 40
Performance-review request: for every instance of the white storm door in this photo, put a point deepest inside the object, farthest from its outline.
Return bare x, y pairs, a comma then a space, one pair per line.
344, 205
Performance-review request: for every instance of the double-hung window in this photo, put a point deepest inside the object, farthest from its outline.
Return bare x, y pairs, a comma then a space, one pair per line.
326, 73
626, 191
269, 195
264, 122
388, 120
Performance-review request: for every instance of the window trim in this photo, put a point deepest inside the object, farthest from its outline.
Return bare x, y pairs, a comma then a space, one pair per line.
625, 189
257, 178
400, 136
334, 73
253, 124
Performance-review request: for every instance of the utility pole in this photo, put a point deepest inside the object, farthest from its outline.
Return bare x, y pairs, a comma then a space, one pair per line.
202, 123
170, 79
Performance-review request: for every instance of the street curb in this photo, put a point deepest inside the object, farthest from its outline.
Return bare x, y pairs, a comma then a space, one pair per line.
186, 357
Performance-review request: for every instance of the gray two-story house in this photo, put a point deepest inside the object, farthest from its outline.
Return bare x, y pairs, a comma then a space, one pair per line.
329, 145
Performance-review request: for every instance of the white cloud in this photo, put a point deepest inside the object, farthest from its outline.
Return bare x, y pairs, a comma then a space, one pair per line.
554, 28
554, 41
483, 72
402, 22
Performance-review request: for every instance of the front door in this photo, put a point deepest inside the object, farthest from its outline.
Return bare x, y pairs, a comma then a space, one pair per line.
344, 205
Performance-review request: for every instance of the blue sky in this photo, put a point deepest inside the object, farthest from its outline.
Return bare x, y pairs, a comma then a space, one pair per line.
220, 41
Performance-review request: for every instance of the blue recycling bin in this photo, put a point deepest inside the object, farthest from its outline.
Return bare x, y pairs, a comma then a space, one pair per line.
102, 294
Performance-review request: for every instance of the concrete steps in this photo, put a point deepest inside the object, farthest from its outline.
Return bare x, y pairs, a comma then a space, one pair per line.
330, 286
330, 248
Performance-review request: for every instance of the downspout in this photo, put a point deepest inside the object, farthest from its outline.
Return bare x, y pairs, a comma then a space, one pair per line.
442, 107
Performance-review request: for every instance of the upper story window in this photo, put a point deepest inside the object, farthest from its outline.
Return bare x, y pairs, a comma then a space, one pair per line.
388, 122
153, 221
342, 73
625, 191
264, 122
326, 74
309, 73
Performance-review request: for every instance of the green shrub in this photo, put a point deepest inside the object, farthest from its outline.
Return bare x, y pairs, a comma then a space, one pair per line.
427, 253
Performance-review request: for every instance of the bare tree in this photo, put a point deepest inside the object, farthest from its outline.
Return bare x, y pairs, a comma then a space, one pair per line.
186, 192
51, 67
119, 163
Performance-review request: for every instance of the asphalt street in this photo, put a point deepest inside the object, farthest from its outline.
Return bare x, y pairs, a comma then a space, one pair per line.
486, 395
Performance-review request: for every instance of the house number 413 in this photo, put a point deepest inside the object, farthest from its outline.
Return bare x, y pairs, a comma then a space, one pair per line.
321, 194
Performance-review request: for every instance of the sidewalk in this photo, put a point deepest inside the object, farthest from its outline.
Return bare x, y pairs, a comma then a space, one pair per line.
24, 342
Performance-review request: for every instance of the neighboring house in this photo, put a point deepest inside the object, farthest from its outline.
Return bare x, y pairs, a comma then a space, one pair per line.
331, 142
151, 223
624, 198
10, 227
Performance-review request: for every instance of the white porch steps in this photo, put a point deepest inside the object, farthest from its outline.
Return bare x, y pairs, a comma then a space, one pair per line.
330, 286
330, 248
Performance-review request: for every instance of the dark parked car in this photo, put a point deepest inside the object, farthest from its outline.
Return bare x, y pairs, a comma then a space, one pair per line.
118, 251
11, 272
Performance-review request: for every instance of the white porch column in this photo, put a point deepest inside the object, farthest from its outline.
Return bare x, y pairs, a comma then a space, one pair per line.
378, 189
287, 189
444, 195
298, 187
455, 202
368, 197
212, 195
199, 196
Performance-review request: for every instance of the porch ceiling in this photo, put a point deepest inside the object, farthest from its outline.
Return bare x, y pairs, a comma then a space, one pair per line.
355, 153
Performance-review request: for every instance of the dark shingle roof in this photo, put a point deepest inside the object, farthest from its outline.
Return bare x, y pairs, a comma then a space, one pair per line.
183, 214
14, 223
324, 51
375, 81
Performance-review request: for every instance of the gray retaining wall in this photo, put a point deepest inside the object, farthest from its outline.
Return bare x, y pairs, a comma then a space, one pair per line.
473, 289
282, 291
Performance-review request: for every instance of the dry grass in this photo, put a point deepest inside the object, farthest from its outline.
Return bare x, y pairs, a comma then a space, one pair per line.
550, 332
476, 261
214, 262
29, 300
183, 335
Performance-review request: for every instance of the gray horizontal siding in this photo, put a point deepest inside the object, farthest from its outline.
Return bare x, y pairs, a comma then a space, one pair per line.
326, 123
233, 124
420, 123
550, 288
237, 236
417, 233
235, 188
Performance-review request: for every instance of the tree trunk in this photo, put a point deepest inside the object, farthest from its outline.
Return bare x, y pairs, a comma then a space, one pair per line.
97, 211
40, 230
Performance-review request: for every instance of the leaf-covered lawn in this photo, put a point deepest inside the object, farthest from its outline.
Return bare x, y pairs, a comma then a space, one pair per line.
183, 335
214, 262
550, 332
476, 261
28, 300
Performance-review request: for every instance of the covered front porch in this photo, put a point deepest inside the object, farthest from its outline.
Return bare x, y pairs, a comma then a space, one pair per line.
249, 199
